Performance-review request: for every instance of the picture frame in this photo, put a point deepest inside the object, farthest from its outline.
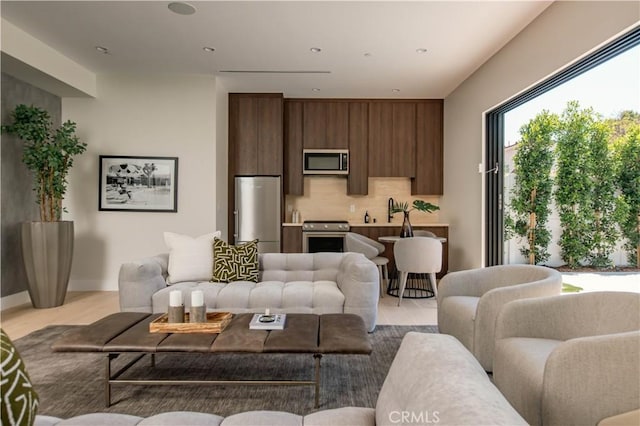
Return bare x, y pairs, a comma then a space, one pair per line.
138, 184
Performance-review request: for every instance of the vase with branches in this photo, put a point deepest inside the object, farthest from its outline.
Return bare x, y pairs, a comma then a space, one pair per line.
47, 245
421, 205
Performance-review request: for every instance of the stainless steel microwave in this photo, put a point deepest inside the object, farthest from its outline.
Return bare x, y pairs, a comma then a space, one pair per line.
325, 161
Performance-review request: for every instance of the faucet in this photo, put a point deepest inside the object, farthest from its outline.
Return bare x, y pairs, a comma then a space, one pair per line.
389, 209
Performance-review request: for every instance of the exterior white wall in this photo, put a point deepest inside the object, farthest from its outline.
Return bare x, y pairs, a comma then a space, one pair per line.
563, 33
140, 115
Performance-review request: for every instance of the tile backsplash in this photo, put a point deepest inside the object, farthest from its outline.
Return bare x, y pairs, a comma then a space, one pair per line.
326, 199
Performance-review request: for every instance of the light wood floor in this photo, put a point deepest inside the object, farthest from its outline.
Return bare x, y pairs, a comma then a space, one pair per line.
86, 307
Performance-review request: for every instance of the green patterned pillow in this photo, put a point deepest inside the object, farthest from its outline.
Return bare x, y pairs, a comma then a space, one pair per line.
235, 263
19, 399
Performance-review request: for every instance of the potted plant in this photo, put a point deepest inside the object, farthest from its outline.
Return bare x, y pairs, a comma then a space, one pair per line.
423, 206
47, 245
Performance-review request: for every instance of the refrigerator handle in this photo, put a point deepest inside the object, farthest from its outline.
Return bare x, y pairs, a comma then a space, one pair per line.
235, 226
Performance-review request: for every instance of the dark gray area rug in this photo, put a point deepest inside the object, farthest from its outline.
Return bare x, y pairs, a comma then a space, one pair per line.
71, 384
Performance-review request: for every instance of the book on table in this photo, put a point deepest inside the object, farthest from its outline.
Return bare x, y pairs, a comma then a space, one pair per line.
268, 322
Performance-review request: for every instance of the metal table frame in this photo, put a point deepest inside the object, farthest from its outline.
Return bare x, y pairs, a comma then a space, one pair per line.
112, 378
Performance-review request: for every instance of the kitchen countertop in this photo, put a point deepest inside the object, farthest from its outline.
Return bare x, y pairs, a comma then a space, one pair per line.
379, 224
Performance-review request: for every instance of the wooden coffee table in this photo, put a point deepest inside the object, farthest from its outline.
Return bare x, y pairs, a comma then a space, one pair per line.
128, 332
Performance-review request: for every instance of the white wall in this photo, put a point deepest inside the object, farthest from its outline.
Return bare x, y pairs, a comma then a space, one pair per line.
222, 158
563, 33
144, 115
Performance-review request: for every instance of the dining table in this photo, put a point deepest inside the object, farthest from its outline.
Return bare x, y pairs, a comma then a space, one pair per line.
394, 238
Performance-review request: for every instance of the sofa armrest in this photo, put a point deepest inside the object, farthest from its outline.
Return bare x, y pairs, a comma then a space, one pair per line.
358, 280
435, 380
461, 283
592, 378
139, 280
570, 316
489, 307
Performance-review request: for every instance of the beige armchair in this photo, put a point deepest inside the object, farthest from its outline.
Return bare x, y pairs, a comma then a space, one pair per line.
571, 359
469, 301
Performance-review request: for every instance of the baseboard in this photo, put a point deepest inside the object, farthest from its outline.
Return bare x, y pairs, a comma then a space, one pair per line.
74, 285
14, 300
92, 285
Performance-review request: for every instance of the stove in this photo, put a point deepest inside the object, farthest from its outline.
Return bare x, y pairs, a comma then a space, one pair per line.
325, 225
324, 235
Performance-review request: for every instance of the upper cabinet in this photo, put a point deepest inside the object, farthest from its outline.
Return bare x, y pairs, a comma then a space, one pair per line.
385, 138
392, 138
293, 182
325, 124
256, 134
358, 178
429, 149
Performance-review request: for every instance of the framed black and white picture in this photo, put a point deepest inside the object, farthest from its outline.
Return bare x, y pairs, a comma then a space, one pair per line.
139, 184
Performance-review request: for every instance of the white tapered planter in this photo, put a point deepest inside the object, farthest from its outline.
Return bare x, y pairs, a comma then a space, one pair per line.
47, 250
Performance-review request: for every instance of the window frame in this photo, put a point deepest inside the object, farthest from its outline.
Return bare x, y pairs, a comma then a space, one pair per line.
494, 122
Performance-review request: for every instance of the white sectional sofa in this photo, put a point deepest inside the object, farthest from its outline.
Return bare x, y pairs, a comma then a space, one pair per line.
317, 283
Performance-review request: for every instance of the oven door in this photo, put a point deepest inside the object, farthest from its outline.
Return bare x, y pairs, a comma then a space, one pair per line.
315, 242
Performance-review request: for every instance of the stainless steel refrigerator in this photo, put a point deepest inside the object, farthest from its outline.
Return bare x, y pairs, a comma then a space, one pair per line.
257, 212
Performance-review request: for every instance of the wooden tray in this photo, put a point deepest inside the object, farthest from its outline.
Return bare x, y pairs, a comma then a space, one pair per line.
216, 322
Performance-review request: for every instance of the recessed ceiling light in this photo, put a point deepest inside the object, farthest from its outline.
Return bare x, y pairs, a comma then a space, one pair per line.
421, 50
209, 49
395, 90
102, 49
315, 50
181, 8
315, 89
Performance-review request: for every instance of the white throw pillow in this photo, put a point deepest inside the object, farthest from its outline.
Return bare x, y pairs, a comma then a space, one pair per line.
190, 259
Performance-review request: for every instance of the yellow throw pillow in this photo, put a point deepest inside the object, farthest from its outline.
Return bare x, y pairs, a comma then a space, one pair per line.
235, 263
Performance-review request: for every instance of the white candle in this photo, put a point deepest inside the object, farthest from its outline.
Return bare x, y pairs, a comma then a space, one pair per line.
266, 311
197, 298
175, 298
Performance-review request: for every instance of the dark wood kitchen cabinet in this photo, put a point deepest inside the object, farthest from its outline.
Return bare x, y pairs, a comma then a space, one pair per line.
385, 138
392, 138
429, 148
256, 143
255, 134
374, 232
325, 124
358, 179
292, 239
293, 181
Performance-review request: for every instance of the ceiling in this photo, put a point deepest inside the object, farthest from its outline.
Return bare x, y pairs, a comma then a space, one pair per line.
368, 49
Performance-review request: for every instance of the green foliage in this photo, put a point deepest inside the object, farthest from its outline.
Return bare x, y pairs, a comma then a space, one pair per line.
568, 288
420, 205
48, 153
531, 194
621, 125
602, 200
597, 185
627, 156
573, 183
